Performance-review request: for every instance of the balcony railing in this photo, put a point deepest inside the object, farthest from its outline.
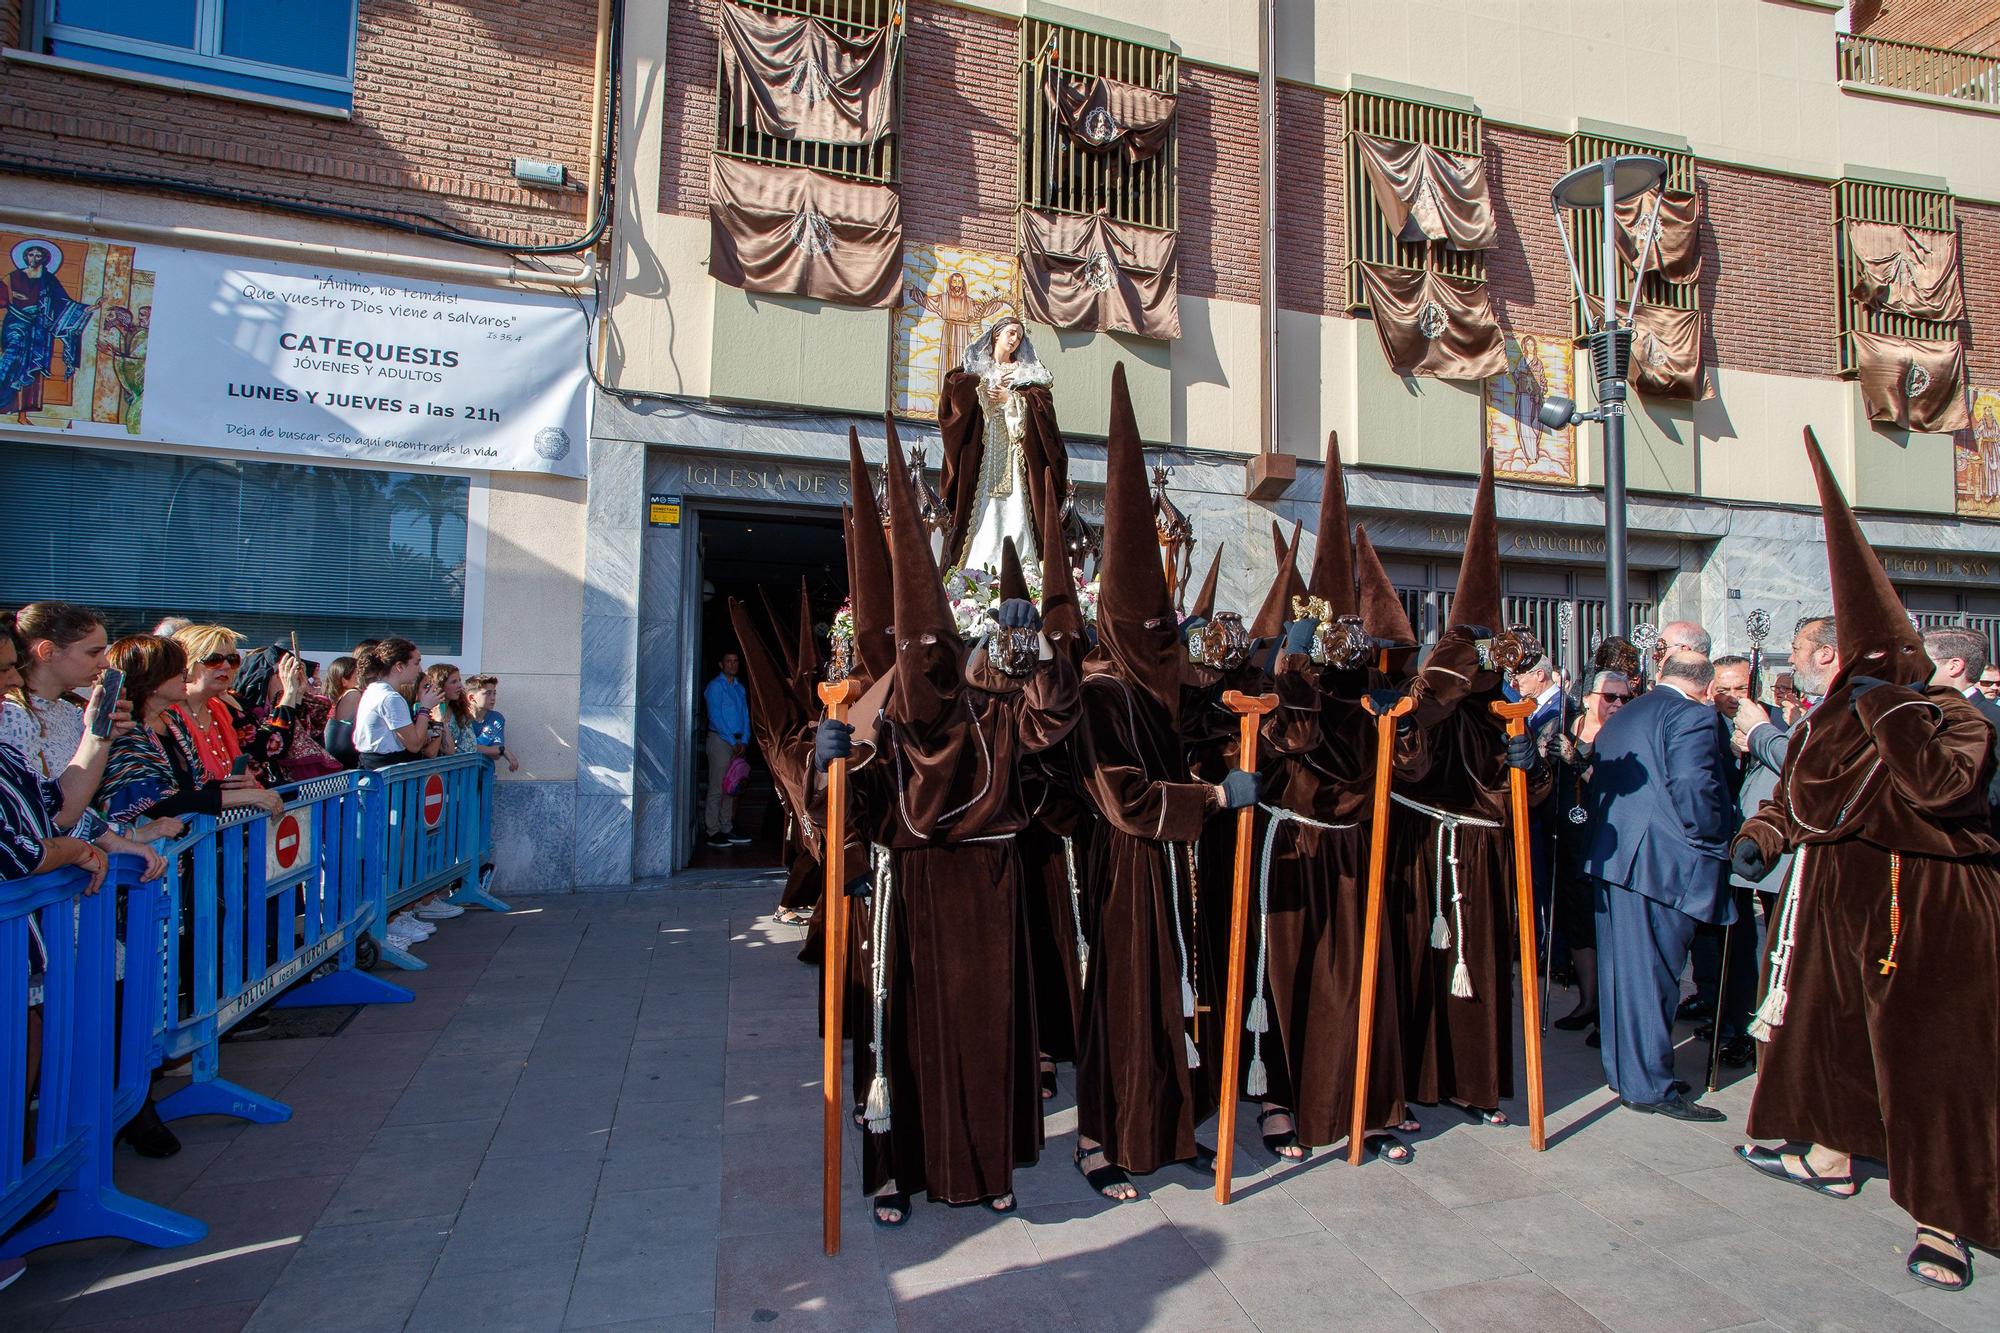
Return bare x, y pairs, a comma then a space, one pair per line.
1963, 76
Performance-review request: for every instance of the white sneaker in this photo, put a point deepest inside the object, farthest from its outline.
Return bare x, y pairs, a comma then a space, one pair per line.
401, 938
439, 911
421, 929
486, 880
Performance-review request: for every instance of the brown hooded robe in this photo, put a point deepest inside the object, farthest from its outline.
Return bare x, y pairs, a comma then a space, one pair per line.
938, 791
1139, 1088
1458, 1048
1882, 801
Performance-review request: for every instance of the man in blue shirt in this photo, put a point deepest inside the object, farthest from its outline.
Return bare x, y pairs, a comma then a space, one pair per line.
728, 738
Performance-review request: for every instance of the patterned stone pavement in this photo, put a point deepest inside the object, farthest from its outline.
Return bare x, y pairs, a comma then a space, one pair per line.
602, 1112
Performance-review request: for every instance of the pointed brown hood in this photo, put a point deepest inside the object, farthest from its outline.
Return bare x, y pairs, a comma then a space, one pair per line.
774, 706
1476, 600
1876, 636
1285, 585
1333, 564
1137, 630
1062, 616
1013, 583
805, 656
869, 581
1382, 613
1204, 601
921, 606
786, 661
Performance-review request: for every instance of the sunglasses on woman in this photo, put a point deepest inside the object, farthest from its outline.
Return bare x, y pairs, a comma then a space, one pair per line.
217, 659
1616, 698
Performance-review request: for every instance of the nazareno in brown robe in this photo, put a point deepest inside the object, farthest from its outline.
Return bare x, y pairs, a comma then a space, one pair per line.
1137, 1093
1882, 802
939, 792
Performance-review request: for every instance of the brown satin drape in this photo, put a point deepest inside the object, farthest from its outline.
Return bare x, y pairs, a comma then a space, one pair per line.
1908, 271
1428, 195
1434, 325
798, 78
1914, 383
1098, 274
788, 231
1676, 252
1103, 114
1666, 353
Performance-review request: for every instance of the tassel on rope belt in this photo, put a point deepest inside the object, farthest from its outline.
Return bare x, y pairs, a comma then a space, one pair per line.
1771, 1013
1258, 1020
1181, 949
1447, 855
1076, 912
876, 1113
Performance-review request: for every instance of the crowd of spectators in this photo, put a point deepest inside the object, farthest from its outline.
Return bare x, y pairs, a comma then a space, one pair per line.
200, 726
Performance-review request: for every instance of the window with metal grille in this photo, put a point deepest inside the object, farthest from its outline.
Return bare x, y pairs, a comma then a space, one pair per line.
1062, 178
875, 162
1586, 234
1897, 205
1946, 608
1533, 596
1370, 239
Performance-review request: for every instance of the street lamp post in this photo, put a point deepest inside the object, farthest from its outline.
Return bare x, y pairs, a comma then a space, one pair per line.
1600, 186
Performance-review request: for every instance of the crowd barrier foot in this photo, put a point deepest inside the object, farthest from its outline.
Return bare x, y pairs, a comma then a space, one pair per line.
344, 987
402, 958
218, 1096
87, 1214
474, 896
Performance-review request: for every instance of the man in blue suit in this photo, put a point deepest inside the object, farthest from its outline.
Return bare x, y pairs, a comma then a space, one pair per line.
1661, 821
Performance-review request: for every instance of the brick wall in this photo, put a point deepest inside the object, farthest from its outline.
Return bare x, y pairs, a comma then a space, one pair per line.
1526, 273
1960, 25
1767, 271
445, 97
1979, 253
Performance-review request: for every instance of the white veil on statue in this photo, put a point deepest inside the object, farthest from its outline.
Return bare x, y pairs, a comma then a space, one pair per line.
1003, 506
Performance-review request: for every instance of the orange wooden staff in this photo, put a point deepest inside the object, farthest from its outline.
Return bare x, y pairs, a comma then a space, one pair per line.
836, 695
1249, 708
1517, 716
1371, 931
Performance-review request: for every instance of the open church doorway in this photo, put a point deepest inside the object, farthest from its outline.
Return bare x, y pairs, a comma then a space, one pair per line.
759, 558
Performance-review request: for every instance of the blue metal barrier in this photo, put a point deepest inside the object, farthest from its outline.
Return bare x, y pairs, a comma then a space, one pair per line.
85, 1056
426, 829
263, 902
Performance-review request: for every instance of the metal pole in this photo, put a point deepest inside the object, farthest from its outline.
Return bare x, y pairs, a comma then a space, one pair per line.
1267, 266
1611, 401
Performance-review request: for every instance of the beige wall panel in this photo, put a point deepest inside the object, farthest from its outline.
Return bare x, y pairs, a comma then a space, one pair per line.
1749, 436
1900, 470
803, 353
1313, 356
534, 568
1215, 376
541, 724
1081, 364
662, 307
1415, 423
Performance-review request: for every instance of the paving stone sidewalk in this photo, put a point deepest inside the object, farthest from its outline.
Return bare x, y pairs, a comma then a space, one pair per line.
602, 1111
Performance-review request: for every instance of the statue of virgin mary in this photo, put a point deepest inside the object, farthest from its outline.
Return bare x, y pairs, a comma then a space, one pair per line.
1001, 443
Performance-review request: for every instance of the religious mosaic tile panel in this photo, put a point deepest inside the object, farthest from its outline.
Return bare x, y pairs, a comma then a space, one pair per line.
949, 296
1539, 366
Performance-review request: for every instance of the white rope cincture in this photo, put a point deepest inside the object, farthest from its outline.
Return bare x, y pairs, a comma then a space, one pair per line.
1258, 1019
1447, 856
1076, 913
1771, 1013
876, 1113
1180, 948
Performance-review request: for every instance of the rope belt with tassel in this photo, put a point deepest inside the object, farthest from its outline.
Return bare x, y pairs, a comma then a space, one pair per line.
876, 1113
1076, 912
1447, 855
1181, 948
1257, 1021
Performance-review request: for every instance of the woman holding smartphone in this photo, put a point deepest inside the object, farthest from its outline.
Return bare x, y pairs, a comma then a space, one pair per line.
218, 727
44, 717
385, 730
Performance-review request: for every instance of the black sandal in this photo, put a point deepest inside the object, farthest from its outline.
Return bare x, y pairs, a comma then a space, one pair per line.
1104, 1177
1275, 1144
1380, 1146
898, 1203
1773, 1165
1958, 1264
1480, 1115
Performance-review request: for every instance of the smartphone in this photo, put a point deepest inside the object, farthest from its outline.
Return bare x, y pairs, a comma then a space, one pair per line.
295, 647
240, 766
110, 685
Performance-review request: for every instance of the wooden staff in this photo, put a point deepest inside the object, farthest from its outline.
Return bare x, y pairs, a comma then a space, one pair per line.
1517, 716
1248, 708
1371, 931
836, 695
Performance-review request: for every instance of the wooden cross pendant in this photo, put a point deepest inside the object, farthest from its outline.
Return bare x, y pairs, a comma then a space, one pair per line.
1888, 965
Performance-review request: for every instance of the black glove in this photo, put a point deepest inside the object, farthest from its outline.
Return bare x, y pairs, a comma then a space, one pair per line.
1384, 700
1521, 752
1746, 859
1018, 613
1860, 685
1238, 790
1299, 636
834, 740
1191, 625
